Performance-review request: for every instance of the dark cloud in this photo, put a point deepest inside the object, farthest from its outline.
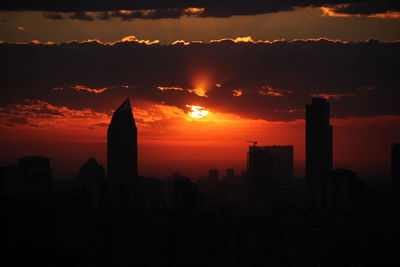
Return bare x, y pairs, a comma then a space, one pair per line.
9, 124
103, 5
53, 15
127, 15
267, 80
368, 7
19, 120
145, 14
81, 16
176, 9
100, 125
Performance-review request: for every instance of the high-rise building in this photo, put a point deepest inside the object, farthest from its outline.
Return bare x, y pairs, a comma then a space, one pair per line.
185, 195
395, 164
122, 159
270, 164
230, 174
93, 183
213, 175
37, 171
345, 193
268, 169
30, 180
180, 193
318, 148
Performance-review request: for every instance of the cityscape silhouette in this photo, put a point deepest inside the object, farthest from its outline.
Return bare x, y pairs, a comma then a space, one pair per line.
163, 133
264, 216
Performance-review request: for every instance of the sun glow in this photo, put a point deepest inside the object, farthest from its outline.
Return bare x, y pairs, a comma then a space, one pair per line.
197, 112
199, 91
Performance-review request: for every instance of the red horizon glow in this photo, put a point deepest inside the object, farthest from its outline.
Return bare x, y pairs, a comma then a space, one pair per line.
170, 140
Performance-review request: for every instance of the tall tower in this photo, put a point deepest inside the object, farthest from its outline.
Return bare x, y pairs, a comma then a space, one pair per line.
122, 165
318, 148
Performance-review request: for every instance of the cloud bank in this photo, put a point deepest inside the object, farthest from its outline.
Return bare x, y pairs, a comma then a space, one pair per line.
156, 9
259, 80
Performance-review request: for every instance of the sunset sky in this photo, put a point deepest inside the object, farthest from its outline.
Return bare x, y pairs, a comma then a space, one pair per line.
204, 78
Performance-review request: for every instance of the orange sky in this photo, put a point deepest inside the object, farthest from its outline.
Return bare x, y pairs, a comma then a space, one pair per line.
56, 104
170, 140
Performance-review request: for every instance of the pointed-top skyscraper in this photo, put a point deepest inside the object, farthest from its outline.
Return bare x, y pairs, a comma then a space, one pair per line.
122, 159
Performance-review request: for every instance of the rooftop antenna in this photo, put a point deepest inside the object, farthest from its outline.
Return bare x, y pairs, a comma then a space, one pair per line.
254, 142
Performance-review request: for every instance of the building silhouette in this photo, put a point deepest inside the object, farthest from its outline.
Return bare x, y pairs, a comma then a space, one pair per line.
345, 193
268, 167
230, 174
180, 193
318, 148
29, 181
92, 180
213, 175
271, 163
395, 169
185, 195
122, 159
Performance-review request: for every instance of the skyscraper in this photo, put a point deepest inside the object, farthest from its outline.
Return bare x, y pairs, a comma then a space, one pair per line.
93, 183
122, 165
230, 174
318, 148
268, 168
213, 175
345, 193
270, 163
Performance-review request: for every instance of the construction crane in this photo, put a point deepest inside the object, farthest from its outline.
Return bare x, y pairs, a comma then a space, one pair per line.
254, 142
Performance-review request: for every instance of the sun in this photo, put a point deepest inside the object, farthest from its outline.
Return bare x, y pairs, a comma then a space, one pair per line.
197, 112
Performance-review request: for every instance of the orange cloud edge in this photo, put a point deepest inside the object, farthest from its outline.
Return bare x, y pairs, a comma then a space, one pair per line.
330, 12
241, 39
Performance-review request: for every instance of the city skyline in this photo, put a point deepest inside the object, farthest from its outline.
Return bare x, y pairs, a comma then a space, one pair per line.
209, 79
199, 133
317, 118
299, 165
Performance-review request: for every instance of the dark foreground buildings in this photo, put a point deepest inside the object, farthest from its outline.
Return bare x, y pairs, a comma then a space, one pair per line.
318, 148
122, 159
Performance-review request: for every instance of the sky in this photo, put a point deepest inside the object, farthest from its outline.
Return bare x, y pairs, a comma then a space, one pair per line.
250, 66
